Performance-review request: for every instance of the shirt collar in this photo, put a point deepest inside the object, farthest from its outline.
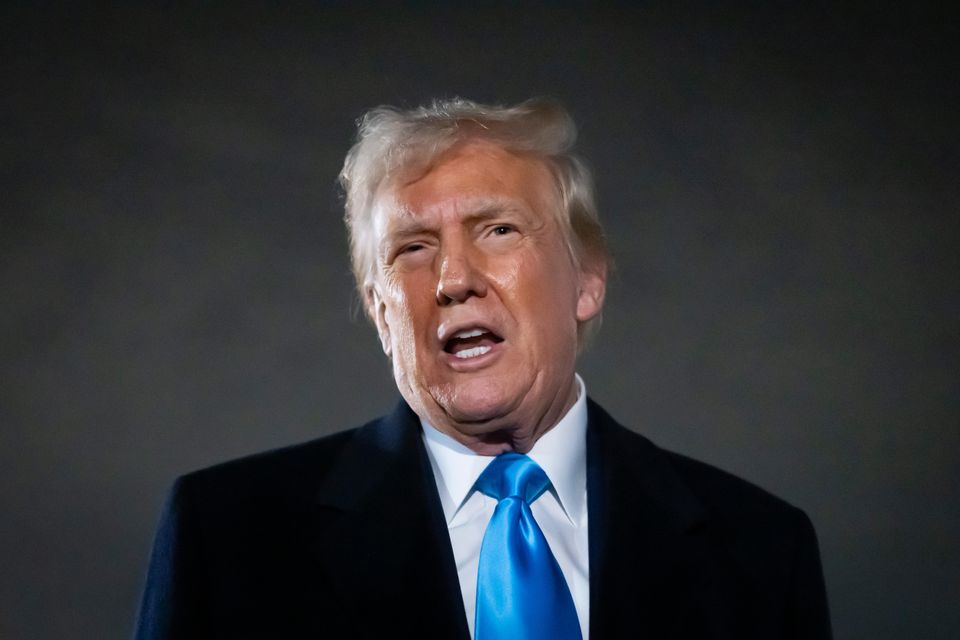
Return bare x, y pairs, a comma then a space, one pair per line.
561, 452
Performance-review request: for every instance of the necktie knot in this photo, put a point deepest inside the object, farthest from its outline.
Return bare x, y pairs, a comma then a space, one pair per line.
513, 475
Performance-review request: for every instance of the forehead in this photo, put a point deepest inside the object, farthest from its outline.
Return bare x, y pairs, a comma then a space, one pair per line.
471, 178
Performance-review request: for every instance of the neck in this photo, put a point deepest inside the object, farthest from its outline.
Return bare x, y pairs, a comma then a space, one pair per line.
517, 437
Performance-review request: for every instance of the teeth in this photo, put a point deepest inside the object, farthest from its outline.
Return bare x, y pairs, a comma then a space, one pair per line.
472, 353
470, 333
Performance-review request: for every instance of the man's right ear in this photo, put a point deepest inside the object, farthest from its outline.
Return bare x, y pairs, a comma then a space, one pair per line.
377, 311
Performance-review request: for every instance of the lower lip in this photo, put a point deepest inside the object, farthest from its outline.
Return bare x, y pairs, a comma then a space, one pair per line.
476, 362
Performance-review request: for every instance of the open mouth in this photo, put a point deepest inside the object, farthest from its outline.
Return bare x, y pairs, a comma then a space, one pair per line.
471, 343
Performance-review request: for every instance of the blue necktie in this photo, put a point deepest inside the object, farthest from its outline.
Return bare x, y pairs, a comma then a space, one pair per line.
521, 593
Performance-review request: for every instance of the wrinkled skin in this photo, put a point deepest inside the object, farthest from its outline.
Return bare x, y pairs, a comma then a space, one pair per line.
474, 244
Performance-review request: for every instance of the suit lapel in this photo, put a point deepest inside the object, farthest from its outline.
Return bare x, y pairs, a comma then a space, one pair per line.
381, 536
650, 559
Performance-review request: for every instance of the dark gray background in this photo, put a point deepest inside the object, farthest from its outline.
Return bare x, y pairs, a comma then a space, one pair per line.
780, 187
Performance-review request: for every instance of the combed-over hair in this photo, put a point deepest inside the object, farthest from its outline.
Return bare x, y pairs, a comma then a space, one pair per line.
393, 143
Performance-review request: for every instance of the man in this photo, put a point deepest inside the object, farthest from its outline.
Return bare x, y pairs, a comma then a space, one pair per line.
497, 501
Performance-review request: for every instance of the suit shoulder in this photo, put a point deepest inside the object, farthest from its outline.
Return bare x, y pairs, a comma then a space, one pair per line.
287, 471
727, 493
722, 493
759, 531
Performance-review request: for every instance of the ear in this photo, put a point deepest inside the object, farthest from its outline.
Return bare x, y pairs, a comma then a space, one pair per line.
377, 310
593, 288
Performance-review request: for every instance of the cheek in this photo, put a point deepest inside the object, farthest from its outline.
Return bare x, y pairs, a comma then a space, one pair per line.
399, 318
522, 275
546, 292
401, 337
557, 283
408, 313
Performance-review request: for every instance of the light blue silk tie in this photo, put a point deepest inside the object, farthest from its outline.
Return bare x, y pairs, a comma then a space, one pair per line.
521, 592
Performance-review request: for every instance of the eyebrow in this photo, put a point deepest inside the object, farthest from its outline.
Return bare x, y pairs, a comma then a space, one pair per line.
479, 209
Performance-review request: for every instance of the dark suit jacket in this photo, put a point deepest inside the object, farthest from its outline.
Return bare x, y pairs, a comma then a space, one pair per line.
344, 537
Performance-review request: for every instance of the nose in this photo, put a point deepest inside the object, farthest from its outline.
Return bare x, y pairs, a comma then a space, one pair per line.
459, 279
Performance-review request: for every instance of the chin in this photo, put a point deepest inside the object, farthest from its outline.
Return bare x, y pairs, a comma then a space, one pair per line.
480, 416
479, 404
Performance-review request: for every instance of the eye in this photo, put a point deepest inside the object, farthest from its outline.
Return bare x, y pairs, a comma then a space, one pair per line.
409, 253
502, 230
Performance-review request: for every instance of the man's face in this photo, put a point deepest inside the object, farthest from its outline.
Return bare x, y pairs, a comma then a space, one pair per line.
477, 298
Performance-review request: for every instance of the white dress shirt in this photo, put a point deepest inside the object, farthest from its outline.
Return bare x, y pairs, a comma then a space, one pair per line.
561, 512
